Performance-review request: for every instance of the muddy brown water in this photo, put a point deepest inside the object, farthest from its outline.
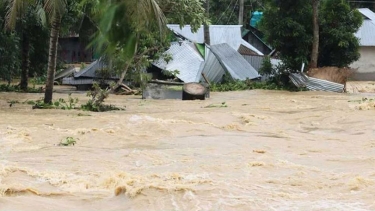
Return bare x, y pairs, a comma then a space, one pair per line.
267, 150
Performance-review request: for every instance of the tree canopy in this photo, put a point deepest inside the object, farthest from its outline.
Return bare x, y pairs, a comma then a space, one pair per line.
288, 28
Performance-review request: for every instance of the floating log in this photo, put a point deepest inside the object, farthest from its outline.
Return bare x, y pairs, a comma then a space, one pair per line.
166, 82
193, 91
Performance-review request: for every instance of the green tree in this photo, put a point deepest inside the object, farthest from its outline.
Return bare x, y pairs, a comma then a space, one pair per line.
184, 12
338, 44
288, 27
53, 10
131, 33
9, 51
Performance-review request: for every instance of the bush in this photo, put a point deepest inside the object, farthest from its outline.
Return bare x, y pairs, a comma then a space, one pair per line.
16, 88
96, 103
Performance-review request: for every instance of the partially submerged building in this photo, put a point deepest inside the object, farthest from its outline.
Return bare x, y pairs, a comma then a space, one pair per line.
366, 34
95, 72
197, 62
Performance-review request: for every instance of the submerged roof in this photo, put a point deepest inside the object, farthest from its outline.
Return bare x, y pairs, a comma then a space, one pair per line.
257, 61
90, 71
185, 59
230, 34
233, 62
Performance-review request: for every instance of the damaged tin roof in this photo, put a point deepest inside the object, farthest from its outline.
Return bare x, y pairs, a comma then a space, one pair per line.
185, 59
230, 34
233, 62
314, 84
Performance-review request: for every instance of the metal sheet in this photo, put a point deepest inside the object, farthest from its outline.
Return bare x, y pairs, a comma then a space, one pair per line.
314, 84
90, 70
64, 73
233, 62
230, 34
257, 61
367, 13
212, 69
366, 33
185, 59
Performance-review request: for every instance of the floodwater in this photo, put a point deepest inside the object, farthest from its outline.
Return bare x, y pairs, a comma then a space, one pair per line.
267, 150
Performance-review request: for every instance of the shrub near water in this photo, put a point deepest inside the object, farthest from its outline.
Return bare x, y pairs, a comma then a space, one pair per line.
15, 88
237, 85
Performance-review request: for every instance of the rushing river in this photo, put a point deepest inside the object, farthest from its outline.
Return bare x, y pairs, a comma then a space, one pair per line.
266, 150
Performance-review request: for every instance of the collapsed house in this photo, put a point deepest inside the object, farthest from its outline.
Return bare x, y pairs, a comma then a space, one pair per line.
85, 78
197, 62
191, 59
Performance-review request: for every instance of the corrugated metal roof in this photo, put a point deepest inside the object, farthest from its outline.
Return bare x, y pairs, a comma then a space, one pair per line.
230, 34
90, 70
66, 72
233, 62
212, 69
314, 84
185, 59
366, 33
257, 61
83, 81
367, 13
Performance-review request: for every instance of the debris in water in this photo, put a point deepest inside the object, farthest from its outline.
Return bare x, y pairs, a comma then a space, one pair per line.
222, 105
256, 164
67, 142
259, 151
120, 190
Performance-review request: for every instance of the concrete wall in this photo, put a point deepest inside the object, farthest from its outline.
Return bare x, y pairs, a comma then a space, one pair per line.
365, 64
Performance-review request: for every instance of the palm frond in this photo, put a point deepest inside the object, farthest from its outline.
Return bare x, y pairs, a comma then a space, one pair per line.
147, 13
55, 8
158, 15
14, 9
41, 14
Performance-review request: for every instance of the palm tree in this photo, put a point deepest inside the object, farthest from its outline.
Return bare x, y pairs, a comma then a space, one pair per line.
120, 25
54, 9
18, 8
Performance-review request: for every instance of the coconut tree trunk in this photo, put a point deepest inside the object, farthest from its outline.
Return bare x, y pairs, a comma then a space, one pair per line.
315, 47
52, 57
25, 62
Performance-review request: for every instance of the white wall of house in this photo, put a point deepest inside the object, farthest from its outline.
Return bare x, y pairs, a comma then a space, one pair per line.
365, 64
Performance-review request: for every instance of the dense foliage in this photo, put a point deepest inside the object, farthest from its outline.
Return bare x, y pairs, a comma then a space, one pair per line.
338, 44
288, 27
